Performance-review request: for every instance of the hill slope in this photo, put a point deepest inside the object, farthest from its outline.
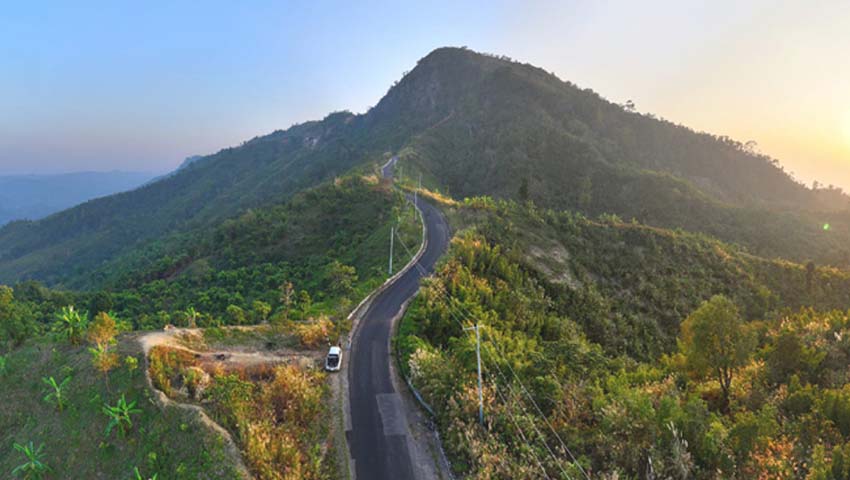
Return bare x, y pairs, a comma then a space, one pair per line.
479, 125
36, 196
511, 130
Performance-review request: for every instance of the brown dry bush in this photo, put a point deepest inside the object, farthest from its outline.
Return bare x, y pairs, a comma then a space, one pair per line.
314, 333
167, 366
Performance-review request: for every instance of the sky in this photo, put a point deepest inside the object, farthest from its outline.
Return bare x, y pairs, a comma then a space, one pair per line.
141, 85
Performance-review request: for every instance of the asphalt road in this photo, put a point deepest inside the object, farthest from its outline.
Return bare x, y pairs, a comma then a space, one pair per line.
378, 437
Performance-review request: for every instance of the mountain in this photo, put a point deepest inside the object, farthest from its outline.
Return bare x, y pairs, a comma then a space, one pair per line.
475, 124
511, 130
185, 163
36, 196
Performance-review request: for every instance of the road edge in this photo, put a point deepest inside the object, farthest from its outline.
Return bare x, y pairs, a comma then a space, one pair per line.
355, 317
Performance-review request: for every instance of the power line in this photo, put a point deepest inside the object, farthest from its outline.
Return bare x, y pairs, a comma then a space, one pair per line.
450, 305
522, 434
534, 425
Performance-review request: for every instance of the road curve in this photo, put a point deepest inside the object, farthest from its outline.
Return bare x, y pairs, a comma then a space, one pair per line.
378, 438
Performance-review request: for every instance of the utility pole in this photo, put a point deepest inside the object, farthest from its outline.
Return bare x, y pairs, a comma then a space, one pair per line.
478, 355
392, 236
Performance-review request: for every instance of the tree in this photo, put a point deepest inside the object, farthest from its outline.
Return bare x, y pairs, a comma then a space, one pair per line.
287, 296
104, 360
716, 342
71, 324
34, 468
102, 334
102, 330
341, 278
811, 270
18, 321
305, 302
261, 310
3, 366
119, 415
101, 302
56, 394
235, 315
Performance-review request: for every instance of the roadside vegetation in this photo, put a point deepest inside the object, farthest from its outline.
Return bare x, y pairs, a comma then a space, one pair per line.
273, 280
276, 410
649, 353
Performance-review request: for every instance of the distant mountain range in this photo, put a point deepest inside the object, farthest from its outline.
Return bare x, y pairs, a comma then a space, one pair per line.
32, 197
476, 124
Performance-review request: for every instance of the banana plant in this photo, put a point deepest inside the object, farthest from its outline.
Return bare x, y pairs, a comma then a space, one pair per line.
71, 324
34, 468
140, 477
119, 415
3, 362
191, 317
57, 393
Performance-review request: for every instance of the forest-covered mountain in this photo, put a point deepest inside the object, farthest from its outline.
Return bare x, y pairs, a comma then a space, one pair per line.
33, 197
476, 124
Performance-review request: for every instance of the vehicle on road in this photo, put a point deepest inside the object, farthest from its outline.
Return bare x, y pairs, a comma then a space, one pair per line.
334, 359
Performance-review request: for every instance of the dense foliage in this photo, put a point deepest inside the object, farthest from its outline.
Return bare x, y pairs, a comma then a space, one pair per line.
317, 253
615, 370
511, 130
481, 126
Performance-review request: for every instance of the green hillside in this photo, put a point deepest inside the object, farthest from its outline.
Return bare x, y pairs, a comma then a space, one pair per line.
477, 125
599, 322
64, 248
169, 442
512, 130
329, 243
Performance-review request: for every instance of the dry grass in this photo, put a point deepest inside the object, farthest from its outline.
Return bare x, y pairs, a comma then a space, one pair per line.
275, 411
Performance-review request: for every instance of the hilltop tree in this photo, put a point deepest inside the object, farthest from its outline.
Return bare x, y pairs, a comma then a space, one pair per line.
17, 321
102, 330
716, 342
102, 334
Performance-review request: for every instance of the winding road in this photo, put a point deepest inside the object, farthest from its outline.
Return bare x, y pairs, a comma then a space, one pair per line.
379, 437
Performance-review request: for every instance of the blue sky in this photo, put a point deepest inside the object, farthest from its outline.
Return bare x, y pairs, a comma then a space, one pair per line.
139, 86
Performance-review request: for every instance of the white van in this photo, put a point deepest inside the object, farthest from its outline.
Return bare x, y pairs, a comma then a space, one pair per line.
334, 359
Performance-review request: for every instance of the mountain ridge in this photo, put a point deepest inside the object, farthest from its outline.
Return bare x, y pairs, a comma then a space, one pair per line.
481, 125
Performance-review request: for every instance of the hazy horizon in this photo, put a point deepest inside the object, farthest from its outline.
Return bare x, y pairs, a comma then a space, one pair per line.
101, 87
